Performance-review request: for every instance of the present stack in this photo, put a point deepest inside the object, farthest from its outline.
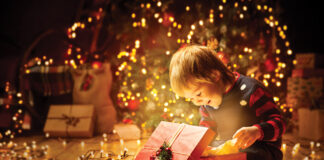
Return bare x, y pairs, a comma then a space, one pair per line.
305, 86
305, 95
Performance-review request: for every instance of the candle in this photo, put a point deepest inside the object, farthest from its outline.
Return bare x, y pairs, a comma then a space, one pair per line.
101, 153
306, 158
101, 143
318, 144
312, 143
34, 146
121, 142
312, 155
82, 144
283, 147
64, 143
295, 149
138, 142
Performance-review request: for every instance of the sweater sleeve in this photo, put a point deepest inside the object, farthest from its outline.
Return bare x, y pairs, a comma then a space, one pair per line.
206, 120
272, 125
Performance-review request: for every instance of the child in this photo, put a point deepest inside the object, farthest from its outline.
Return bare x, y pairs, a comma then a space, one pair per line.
233, 105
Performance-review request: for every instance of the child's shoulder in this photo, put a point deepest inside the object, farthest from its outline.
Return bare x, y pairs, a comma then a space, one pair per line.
245, 82
248, 86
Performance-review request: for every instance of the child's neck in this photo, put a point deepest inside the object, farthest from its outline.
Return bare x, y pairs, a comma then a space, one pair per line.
229, 85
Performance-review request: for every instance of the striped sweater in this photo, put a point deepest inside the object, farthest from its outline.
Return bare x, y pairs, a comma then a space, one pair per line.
247, 103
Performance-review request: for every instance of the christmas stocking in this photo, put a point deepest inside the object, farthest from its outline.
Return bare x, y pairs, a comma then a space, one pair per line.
92, 86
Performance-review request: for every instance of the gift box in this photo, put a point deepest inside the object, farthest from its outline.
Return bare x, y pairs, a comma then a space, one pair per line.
311, 123
127, 131
302, 92
309, 60
307, 73
70, 121
187, 142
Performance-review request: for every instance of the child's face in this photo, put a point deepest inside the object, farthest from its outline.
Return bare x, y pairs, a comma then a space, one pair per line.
206, 93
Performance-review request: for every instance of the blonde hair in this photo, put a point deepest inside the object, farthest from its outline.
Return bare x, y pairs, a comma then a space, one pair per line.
195, 64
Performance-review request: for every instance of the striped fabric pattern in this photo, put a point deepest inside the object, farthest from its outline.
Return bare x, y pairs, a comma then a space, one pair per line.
272, 125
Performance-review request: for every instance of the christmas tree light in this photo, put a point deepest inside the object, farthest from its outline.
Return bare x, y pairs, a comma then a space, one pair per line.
247, 37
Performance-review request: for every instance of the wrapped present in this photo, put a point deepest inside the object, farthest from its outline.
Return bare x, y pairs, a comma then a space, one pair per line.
301, 92
311, 123
127, 131
307, 73
186, 141
309, 60
70, 121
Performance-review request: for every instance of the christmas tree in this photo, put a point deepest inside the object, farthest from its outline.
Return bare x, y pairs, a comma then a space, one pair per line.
245, 34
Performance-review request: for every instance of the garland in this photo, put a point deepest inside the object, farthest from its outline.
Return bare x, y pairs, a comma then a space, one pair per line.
164, 153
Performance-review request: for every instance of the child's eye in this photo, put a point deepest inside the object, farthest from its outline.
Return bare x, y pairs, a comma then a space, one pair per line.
199, 94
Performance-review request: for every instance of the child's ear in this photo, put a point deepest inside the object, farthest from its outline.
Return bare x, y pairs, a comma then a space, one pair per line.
216, 75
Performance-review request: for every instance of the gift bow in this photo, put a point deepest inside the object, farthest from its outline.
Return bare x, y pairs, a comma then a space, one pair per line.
173, 138
71, 120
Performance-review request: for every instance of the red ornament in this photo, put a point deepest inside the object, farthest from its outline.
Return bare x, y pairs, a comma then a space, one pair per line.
133, 104
128, 121
269, 65
183, 45
166, 19
164, 116
96, 65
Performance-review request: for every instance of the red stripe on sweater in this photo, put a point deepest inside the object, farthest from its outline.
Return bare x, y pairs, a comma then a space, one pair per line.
269, 105
257, 94
276, 129
282, 124
209, 124
203, 112
274, 116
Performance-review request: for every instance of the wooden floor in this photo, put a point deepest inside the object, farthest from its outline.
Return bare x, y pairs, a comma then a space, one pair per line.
40, 147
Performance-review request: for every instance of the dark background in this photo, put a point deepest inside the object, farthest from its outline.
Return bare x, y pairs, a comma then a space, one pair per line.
23, 20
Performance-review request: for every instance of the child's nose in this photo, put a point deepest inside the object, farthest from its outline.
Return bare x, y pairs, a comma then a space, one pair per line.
196, 101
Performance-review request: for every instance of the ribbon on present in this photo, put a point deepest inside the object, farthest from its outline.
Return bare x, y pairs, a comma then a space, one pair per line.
172, 140
71, 120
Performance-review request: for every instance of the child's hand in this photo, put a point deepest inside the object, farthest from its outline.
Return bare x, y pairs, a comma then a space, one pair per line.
246, 136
